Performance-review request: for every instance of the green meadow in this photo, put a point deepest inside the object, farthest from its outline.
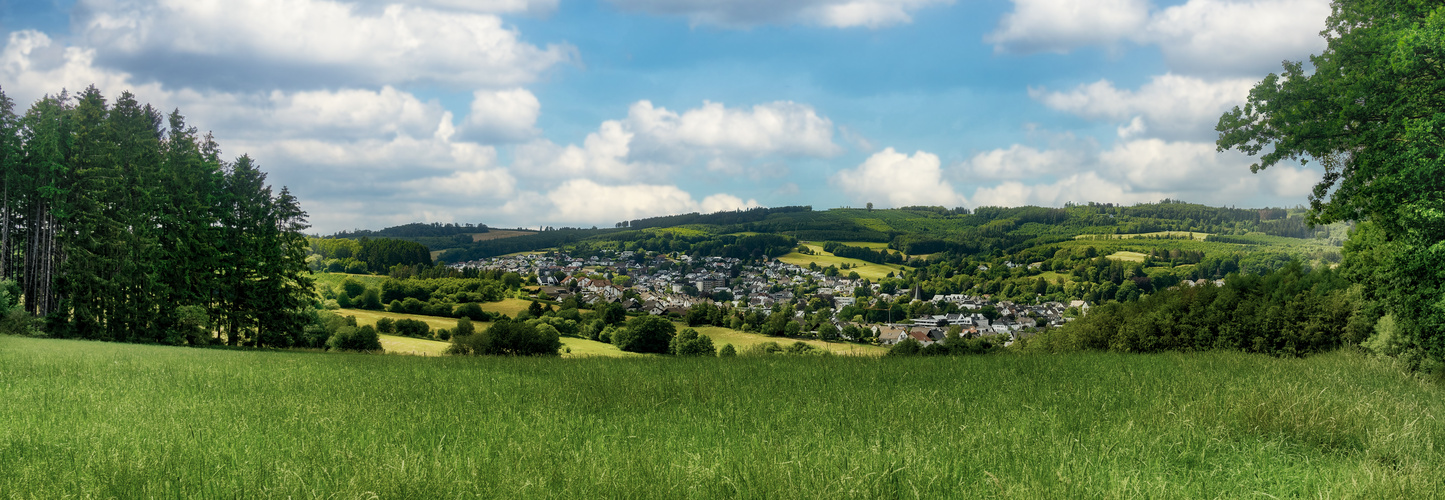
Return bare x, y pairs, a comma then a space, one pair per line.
90, 419
864, 269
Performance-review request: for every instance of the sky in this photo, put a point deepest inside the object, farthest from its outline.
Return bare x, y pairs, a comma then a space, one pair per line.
530, 113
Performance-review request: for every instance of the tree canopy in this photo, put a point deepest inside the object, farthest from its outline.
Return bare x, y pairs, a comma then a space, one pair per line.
1369, 111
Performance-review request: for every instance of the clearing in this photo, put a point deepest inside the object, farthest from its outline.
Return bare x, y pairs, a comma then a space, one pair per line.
864, 269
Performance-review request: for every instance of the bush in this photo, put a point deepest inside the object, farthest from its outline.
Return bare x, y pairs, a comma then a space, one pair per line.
906, 347
465, 327
508, 338
645, 334
690, 343
412, 328
763, 349
350, 338
727, 351
386, 325
370, 300
473, 311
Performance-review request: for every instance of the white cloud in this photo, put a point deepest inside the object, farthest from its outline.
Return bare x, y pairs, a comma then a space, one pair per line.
776, 128
502, 116
33, 65
1134, 171
1063, 25
1169, 106
1201, 37
481, 6
252, 43
1022, 162
587, 202
898, 180
744, 13
653, 141
1079, 188
1248, 37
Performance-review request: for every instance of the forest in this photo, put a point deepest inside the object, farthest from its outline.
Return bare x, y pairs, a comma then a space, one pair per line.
121, 222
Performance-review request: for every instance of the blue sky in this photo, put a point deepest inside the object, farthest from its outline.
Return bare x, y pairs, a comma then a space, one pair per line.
579, 113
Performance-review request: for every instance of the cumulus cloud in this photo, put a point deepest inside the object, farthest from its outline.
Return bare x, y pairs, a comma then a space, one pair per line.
1063, 25
502, 116
1169, 106
1081, 187
588, 202
482, 6
1204, 37
290, 43
1022, 162
744, 13
898, 180
1131, 171
1248, 37
651, 141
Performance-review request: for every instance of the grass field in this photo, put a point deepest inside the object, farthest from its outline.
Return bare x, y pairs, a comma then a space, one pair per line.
89, 419
334, 280
497, 234
1191, 235
742, 340
584, 347
1128, 256
864, 269
410, 346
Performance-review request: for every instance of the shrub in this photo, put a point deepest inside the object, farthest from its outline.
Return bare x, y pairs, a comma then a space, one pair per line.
727, 351
645, 334
350, 338
906, 347
472, 311
508, 338
465, 327
412, 328
386, 325
690, 343
370, 300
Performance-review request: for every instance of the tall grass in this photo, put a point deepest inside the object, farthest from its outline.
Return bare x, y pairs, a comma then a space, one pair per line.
112, 420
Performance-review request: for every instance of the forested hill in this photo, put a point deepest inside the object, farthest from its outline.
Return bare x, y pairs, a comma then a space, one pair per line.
929, 230
416, 230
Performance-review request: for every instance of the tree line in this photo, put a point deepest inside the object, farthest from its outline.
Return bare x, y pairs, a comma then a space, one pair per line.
121, 222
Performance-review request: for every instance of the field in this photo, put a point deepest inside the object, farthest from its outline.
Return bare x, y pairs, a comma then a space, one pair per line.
414, 347
742, 340
1176, 234
1128, 256
864, 269
334, 280
497, 234
89, 419
583, 347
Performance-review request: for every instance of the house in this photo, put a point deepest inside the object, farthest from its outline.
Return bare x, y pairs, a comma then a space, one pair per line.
921, 337
889, 335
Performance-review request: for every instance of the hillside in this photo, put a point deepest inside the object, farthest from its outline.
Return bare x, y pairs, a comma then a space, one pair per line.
249, 423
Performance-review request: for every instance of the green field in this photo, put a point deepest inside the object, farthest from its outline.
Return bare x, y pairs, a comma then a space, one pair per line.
1128, 256
91, 419
334, 280
583, 347
742, 340
864, 269
414, 347
1176, 234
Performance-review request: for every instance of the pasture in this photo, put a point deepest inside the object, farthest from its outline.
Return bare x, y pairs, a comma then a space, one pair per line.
91, 419
576, 347
864, 269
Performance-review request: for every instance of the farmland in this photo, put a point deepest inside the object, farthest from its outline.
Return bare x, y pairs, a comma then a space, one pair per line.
575, 347
824, 259
91, 419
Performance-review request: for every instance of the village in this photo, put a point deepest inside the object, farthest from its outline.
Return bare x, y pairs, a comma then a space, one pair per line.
670, 285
